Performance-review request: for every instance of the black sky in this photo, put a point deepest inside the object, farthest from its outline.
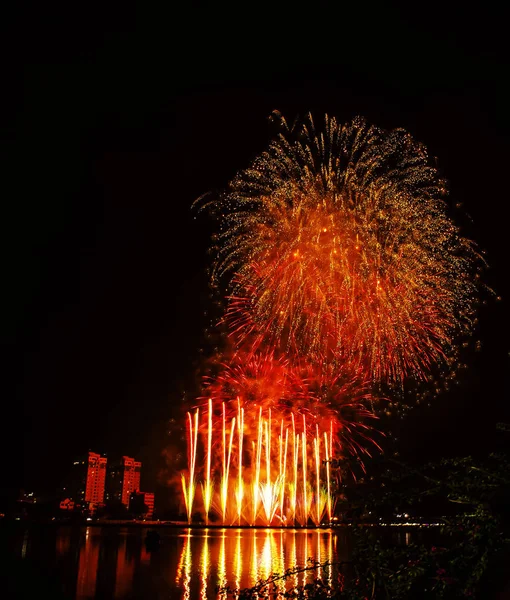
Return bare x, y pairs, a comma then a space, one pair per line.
117, 118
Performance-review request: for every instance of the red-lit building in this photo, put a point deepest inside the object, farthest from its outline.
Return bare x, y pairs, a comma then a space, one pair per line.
131, 481
123, 479
96, 476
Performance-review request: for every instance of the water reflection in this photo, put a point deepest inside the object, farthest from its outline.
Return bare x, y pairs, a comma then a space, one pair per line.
242, 557
204, 567
87, 567
114, 563
184, 568
124, 571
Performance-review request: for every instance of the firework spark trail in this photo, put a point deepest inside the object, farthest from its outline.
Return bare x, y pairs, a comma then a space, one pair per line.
328, 475
267, 490
256, 492
316, 444
283, 469
240, 484
295, 448
208, 485
189, 490
305, 482
224, 479
226, 464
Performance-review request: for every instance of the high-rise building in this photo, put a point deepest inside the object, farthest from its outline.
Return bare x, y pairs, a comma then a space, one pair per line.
123, 479
84, 483
96, 475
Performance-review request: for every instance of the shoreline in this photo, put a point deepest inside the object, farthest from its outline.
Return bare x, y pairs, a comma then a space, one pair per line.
202, 526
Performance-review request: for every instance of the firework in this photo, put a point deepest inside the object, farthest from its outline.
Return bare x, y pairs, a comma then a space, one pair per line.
338, 246
344, 273
265, 432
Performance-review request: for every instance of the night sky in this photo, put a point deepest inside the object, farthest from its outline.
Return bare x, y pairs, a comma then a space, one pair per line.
115, 120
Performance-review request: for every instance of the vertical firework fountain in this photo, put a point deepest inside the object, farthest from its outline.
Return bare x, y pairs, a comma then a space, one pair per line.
254, 456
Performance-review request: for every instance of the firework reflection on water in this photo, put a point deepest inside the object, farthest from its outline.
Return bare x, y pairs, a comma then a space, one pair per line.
240, 558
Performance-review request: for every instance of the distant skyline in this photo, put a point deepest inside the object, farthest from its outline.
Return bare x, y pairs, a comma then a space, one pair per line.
106, 292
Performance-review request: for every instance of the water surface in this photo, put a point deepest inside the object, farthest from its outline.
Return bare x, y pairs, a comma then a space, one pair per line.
114, 562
